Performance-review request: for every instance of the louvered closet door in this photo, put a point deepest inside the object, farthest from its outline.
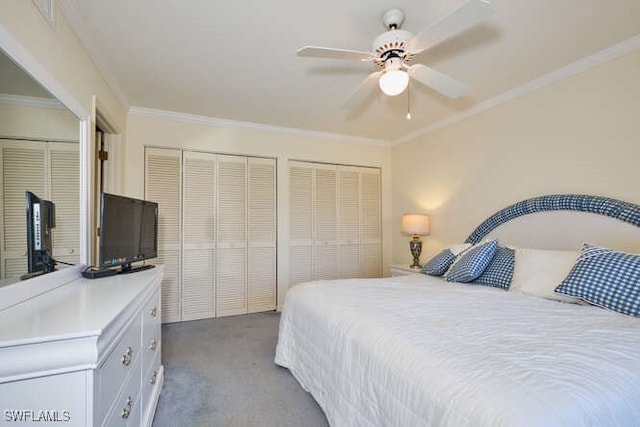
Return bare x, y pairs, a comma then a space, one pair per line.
300, 222
163, 185
231, 282
262, 235
23, 168
199, 225
64, 160
370, 231
348, 187
325, 222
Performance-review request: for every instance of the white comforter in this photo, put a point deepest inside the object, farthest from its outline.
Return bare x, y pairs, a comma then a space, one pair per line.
413, 351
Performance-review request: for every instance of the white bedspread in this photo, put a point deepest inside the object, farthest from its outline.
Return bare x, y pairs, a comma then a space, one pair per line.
413, 351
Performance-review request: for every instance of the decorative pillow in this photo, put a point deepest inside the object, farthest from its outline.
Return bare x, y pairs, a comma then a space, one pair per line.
499, 272
606, 278
440, 263
538, 272
472, 262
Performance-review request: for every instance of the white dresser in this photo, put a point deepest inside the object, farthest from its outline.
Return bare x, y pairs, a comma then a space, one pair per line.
85, 354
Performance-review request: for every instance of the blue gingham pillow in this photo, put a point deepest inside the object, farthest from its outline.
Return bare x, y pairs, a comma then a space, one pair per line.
605, 278
499, 272
439, 264
472, 262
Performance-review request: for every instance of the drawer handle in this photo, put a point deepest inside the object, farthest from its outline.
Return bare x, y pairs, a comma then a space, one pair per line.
154, 311
126, 411
154, 345
126, 358
154, 378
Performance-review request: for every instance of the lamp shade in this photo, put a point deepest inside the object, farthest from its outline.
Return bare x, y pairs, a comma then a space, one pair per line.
416, 224
393, 82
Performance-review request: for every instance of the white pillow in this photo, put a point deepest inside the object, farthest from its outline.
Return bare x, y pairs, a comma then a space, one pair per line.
459, 248
539, 271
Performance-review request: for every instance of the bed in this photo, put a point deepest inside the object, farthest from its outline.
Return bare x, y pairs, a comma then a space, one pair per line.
417, 350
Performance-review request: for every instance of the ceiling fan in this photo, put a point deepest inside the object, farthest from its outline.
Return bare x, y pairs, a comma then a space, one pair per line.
395, 48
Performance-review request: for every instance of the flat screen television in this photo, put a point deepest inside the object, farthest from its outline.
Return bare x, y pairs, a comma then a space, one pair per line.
128, 232
41, 218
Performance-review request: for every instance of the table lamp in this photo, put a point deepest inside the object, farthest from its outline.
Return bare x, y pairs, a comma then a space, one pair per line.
417, 225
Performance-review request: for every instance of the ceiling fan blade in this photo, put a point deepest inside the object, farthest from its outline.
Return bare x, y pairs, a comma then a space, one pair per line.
327, 52
466, 16
362, 92
438, 81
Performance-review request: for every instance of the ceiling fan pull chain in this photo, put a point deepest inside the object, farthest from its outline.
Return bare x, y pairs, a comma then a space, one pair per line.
409, 101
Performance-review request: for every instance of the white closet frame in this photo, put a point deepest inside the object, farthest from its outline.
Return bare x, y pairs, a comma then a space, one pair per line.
233, 221
163, 185
334, 220
199, 206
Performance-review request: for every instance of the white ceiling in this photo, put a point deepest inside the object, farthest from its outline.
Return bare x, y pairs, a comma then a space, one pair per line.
237, 59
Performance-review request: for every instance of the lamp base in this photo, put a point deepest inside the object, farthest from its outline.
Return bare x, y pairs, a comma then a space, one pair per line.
415, 246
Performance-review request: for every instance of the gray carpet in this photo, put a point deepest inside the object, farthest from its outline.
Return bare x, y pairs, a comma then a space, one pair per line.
220, 372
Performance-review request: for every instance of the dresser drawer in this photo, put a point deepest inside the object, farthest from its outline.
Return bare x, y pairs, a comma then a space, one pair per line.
134, 419
151, 332
126, 408
151, 313
152, 348
117, 367
150, 384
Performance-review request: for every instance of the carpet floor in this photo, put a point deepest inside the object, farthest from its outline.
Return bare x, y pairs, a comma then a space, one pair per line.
220, 372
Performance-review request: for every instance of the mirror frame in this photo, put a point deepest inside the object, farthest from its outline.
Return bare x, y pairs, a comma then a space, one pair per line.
14, 293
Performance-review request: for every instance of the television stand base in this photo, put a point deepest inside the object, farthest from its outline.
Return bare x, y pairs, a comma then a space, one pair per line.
31, 275
136, 269
97, 273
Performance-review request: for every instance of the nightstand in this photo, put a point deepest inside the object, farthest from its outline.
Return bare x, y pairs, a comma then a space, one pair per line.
403, 270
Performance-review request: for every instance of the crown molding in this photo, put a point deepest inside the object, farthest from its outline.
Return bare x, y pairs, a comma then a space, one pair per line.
213, 121
577, 67
91, 47
31, 101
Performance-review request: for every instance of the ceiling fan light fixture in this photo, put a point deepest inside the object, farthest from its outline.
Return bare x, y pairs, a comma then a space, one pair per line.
393, 82
392, 50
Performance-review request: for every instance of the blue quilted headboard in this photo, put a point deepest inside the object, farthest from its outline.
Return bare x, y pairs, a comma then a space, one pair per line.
624, 211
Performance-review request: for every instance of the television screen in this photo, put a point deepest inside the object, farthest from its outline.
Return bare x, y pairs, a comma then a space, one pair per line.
149, 238
128, 230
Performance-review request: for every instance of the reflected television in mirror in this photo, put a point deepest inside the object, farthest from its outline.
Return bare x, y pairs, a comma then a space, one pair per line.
41, 218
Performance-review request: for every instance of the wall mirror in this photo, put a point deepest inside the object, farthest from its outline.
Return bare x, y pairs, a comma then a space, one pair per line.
39, 152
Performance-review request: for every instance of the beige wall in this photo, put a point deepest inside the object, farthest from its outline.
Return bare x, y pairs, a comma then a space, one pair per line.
25, 121
578, 135
163, 132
